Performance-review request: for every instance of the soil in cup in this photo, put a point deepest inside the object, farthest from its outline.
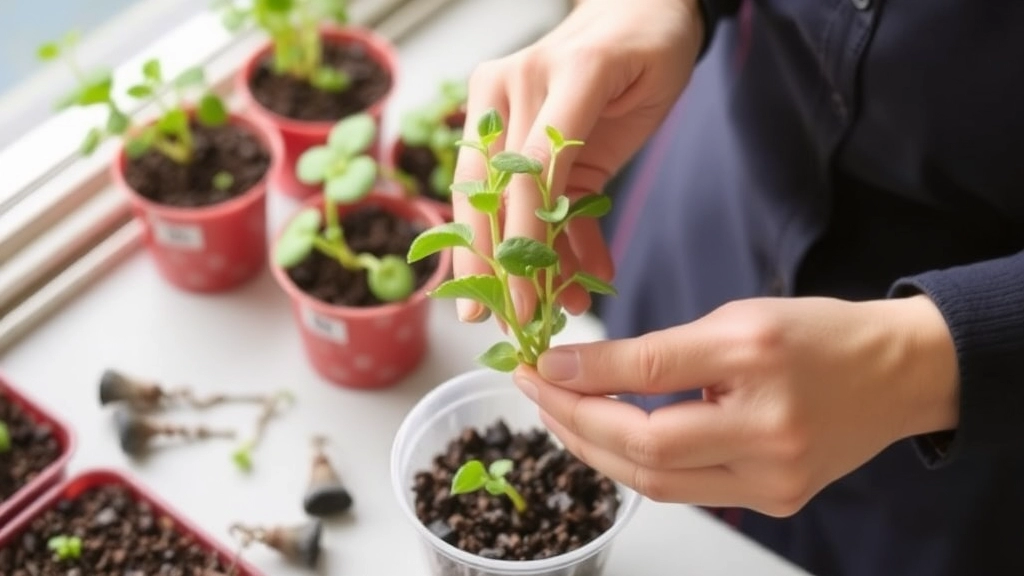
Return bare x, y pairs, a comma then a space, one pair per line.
33, 447
229, 149
118, 536
368, 229
568, 503
297, 99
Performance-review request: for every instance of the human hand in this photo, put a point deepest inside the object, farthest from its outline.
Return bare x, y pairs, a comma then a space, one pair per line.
797, 393
607, 75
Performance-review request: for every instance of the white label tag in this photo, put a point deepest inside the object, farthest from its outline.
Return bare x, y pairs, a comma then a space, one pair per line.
185, 236
329, 328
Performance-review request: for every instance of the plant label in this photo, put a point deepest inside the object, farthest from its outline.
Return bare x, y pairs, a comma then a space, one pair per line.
329, 328
185, 236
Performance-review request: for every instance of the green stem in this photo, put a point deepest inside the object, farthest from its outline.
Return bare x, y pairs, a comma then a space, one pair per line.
549, 274
516, 498
176, 151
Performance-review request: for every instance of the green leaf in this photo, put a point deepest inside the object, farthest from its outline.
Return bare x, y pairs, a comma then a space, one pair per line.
138, 146
590, 206
415, 129
140, 91
97, 91
469, 187
441, 179
242, 458
193, 76
502, 181
292, 249
355, 183
151, 70
515, 163
233, 19
594, 284
432, 241
330, 79
556, 214
502, 357
499, 468
5, 438
489, 127
313, 164
486, 201
211, 111
277, 5
117, 122
482, 288
557, 140
470, 477
392, 280
471, 144
175, 121
92, 140
223, 180
523, 256
305, 223
48, 51
353, 135
496, 486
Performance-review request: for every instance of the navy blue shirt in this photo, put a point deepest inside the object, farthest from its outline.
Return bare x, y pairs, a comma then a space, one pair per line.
859, 149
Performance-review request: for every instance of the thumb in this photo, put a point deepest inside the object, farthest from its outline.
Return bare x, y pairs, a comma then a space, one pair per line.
671, 360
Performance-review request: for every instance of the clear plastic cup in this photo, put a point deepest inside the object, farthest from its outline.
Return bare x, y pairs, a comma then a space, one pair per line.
477, 399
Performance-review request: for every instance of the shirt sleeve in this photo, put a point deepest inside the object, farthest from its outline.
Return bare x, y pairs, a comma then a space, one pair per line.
712, 11
983, 305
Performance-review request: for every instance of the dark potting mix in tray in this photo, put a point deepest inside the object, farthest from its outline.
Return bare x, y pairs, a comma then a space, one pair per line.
568, 503
116, 534
32, 448
298, 99
367, 229
229, 149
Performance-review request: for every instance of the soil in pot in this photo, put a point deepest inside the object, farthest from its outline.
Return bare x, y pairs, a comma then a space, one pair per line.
33, 448
568, 503
119, 536
419, 163
297, 99
229, 148
367, 229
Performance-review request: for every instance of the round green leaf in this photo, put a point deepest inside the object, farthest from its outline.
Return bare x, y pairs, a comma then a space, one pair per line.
174, 121
496, 486
502, 357
486, 201
355, 183
193, 76
523, 256
330, 79
91, 141
470, 477
556, 214
481, 288
353, 135
393, 280
140, 91
313, 163
305, 223
450, 235
469, 187
499, 468
489, 127
151, 70
117, 122
97, 90
555, 136
590, 206
48, 51
441, 180
211, 111
516, 163
292, 249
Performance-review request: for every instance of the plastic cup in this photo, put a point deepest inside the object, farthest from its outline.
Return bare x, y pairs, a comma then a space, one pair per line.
478, 399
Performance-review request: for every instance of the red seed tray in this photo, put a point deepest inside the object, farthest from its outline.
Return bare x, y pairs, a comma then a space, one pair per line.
52, 474
99, 477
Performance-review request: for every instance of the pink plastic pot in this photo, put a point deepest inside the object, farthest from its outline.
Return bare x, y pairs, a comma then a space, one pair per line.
210, 248
52, 474
367, 347
298, 135
75, 486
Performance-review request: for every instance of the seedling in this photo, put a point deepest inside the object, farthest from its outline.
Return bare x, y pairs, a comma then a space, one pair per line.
146, 395
429, 127
473, 476
65, 547
5, 438
325, 495
242, 456
522, 257
294, 30
171, 133
347, 175
136, 432
299, 543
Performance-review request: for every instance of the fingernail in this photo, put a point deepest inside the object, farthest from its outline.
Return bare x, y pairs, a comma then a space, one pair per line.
559, 365
526, 387
468, 310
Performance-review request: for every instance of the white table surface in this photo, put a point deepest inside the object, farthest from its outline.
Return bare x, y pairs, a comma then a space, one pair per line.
245, 340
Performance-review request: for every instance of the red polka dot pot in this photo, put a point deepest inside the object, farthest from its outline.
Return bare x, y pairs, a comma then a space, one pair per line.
212, 248
367, 347
297, 135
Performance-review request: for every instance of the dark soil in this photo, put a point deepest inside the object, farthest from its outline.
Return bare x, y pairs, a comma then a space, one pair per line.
419, 162
369, 229
568, 503
299, 100
120, 537
33, 448
228, 148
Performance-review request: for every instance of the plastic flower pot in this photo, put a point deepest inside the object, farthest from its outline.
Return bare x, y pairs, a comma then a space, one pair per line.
211, 248
298, 135
373, 346
74, 487
54, 471
478, 399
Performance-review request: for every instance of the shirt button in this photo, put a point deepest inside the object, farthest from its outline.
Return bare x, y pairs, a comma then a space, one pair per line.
861, 4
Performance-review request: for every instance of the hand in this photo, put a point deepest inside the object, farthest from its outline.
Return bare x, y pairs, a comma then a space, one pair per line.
797, 393
607, 75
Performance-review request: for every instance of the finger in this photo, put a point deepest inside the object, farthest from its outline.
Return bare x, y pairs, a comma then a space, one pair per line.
681, 358
694, 434
487, 90
711, 486
575, 299
588, 244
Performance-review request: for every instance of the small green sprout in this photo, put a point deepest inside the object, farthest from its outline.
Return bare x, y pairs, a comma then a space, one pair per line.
223, 180
521, 257
294, 29
428, 127
5, 438
347, 174
473, 476
272, 406
65, 547
170, 134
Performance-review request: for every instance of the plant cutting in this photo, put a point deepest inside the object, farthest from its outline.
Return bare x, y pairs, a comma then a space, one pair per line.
521, 257
195, 174
315, 70
272, 406
473, 476
360, 306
